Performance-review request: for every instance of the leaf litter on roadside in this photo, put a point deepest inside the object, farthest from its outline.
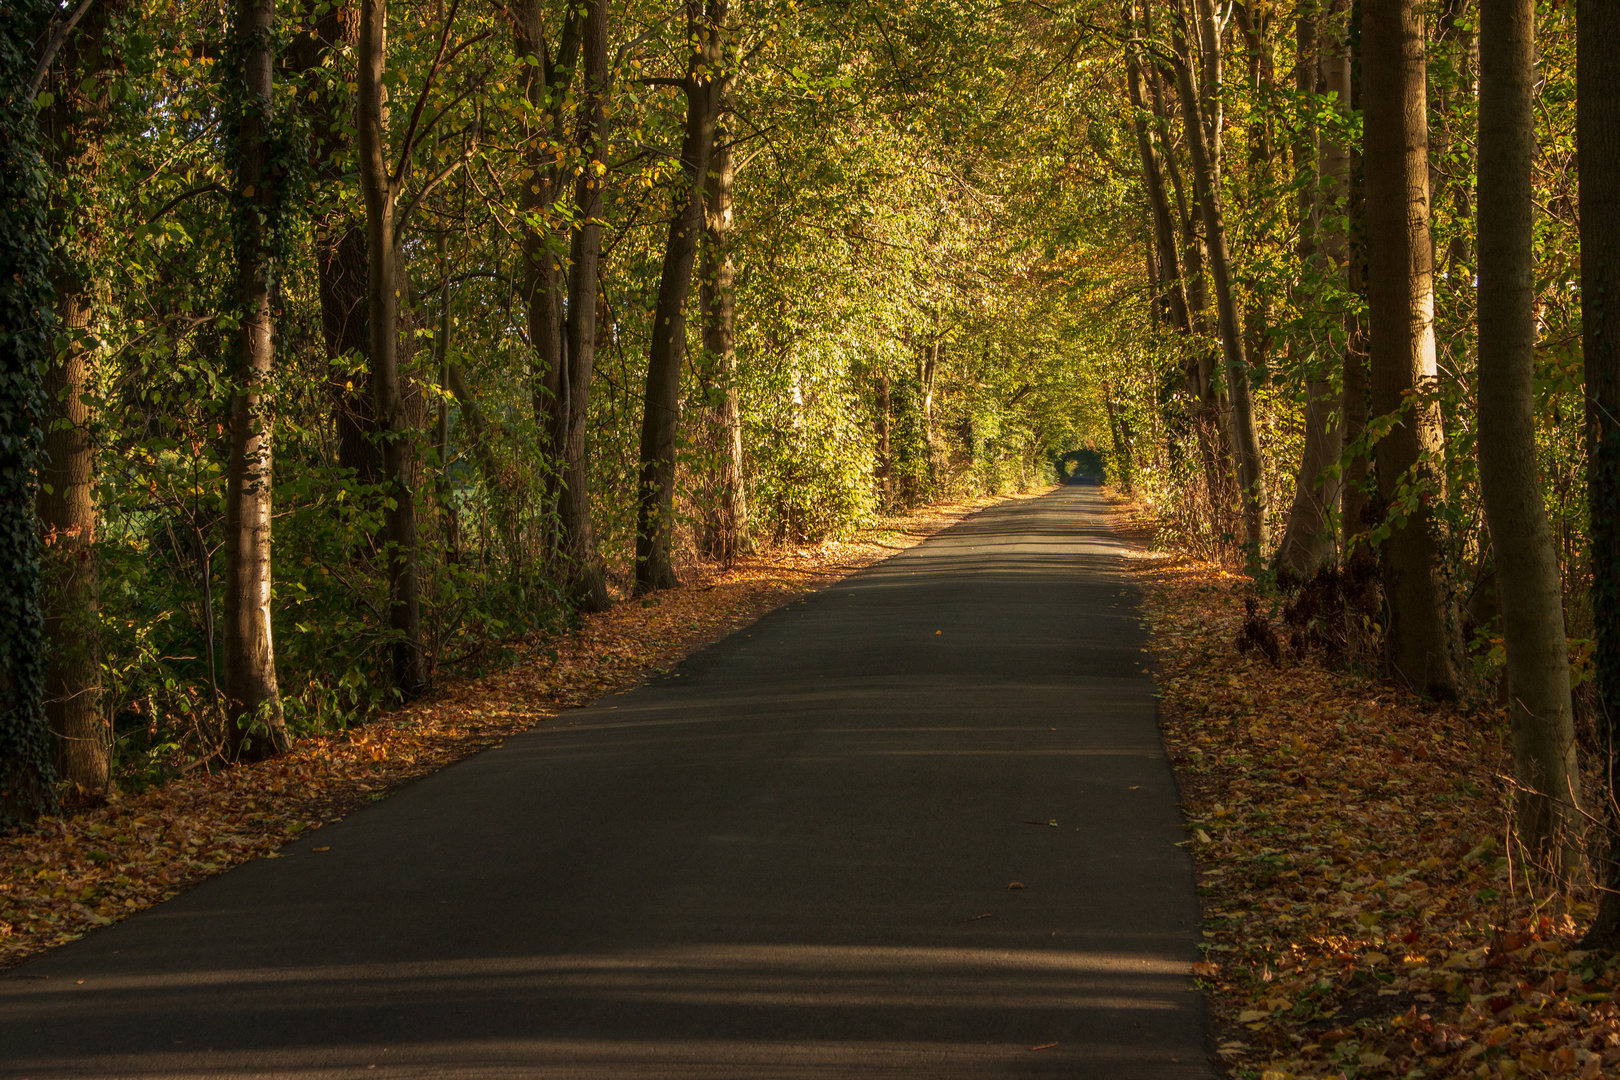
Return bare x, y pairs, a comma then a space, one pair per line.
71, 874
1364, 914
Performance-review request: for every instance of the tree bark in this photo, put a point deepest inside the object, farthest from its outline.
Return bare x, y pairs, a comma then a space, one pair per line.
254, 727
1309, 540
655, 503
340, 239
587, 579
885, 456
1171, 295
1597, 125
72, 129
383, 286
1528, 587
1422, 640
727, 521
1245, 438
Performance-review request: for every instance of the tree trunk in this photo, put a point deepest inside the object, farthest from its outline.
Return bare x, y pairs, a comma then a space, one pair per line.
586, 577
1245, 438
340, 238
727, 524
1422, 644
885, 456
254, 727
655, 509
1172, 296
1597, 111
548, 82
1309, 540
72, 129
383, 285
1527, 580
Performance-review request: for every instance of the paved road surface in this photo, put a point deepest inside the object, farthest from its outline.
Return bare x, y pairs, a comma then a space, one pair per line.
791, 857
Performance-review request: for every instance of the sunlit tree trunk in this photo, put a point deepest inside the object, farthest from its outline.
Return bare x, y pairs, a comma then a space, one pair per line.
1245, 438
727, 522
1597, 109
1527, 581
655, 503
252, 701
1422, 641
587, 580
885, 456
73, 127
384, 284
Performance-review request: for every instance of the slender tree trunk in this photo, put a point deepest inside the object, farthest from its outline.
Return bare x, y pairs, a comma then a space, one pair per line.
587, 580
383, 288
885, 456
547, 83
73, 127
1172, 296
1309, 540
252, 701
1597, 111
717, 293
655, 510
1527, 581
340, 237
1245, 437
1422, 641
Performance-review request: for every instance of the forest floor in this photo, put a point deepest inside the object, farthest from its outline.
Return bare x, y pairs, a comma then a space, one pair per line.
1365, 911
70, 874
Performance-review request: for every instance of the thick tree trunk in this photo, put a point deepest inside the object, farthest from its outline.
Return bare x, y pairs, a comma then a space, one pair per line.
1422, 644
587, 580
1527, 581
726, 524
72, 128
1597, 110
1245, 438
254, 727
1309, 540
383, 286
655, 504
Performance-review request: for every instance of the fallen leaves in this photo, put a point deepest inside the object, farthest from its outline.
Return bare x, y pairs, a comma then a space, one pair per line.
1364, 915
71, 874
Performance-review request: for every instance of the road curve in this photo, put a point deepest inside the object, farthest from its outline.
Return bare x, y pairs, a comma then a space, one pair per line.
917, 825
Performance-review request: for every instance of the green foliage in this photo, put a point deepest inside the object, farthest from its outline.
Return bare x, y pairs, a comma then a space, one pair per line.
26, 773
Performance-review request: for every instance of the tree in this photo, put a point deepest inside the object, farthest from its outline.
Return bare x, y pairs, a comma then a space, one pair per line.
725, 525
586, 574
703, 86
1319, 165
1245, 438
73, 126
1527, 580
1422, 642
252, 700
1598, 135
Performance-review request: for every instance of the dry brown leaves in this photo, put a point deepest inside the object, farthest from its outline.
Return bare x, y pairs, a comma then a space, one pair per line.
71, 874
1362, 914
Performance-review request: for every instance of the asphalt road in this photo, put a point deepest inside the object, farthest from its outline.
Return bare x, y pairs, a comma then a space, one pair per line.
793, 856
